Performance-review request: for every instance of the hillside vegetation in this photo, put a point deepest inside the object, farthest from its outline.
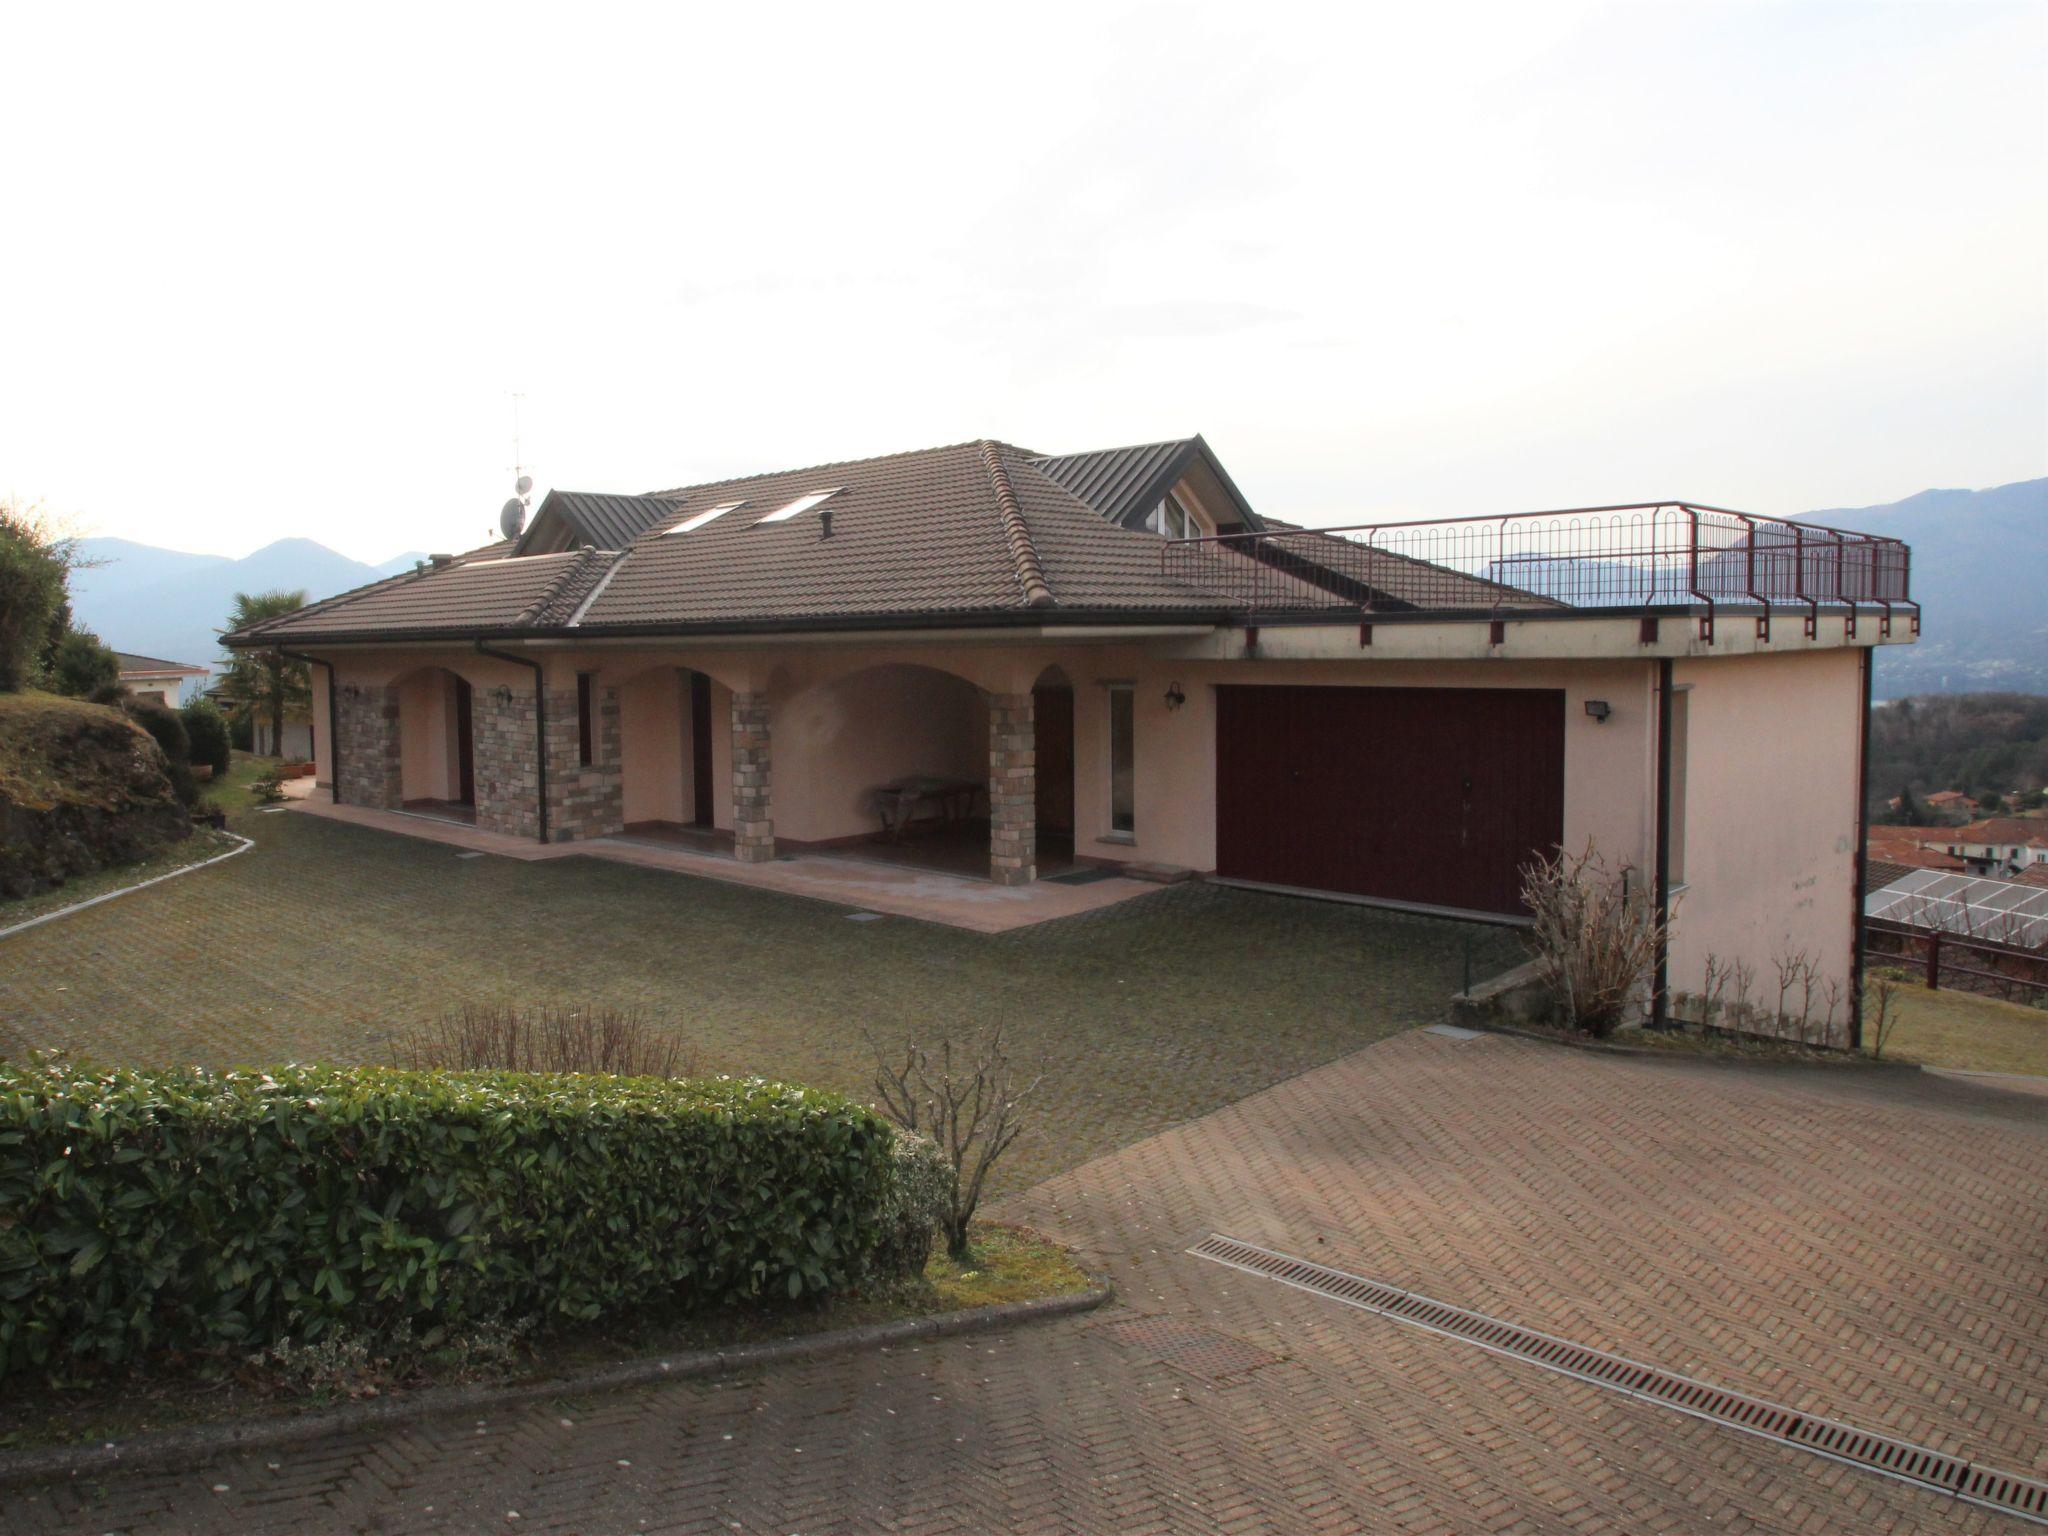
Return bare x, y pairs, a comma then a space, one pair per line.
1980, 743
81, 787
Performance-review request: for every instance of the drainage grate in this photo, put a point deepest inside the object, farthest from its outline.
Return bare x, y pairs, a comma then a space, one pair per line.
1938, 1470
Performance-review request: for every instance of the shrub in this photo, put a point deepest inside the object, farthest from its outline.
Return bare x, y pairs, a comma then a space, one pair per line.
206, 732
189, 1210
163, 725
497, 1038
920, 1199
1595, 936
83, 667
966, 1100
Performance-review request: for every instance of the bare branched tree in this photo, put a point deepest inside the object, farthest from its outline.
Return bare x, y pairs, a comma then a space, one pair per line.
966, 1100
1595, 936
1884, 1018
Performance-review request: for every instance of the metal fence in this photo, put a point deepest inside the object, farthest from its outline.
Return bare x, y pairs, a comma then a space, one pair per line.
2014, 972
1645, 556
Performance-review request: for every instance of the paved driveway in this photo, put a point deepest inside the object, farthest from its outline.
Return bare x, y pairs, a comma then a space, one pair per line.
1871, 1245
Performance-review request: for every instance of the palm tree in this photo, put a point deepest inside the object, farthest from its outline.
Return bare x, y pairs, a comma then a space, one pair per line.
265, 682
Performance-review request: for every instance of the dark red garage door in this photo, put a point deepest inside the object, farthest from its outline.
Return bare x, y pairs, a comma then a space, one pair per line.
1430, 795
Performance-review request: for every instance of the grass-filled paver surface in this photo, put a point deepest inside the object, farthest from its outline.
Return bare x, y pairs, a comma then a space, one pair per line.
326, 941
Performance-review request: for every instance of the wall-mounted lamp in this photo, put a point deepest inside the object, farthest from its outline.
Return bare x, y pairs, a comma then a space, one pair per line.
1174, 697
1597, 709
502, 694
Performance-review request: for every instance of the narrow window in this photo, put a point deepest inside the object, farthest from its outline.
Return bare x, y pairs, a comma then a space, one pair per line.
586, 734
1680, 712
1122, 757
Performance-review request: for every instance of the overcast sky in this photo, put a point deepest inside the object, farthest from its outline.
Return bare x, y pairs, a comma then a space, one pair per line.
279, 271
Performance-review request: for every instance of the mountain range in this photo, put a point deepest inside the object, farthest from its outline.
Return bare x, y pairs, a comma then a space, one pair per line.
1980, 574
171, 604
1980, 571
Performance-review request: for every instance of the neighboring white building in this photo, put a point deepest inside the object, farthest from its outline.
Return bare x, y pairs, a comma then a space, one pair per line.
2001, 845
151, 677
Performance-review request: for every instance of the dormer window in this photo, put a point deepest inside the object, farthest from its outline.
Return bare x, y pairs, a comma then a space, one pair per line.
1172, 520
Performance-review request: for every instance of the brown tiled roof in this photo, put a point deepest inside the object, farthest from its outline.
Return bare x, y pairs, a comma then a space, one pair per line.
1879, 873
1907, 845
972, 531
465, 596
130, 662
2002, 829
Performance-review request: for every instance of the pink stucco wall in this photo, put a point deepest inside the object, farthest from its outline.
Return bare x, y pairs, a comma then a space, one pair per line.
836, 740
427, 761
323, 744
654, 747
1770, 810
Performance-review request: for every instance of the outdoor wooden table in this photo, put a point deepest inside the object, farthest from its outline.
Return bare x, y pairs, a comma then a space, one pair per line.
899, 801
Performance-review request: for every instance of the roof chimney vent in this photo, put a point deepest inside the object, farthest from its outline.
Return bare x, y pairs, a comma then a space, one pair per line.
825, 523
437, 561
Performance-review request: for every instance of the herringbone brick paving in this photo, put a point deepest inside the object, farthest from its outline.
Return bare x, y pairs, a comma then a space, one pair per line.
1871, 1245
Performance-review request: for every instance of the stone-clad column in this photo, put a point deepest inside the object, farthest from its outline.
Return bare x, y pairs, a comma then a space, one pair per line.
753, 822
1012, 789
366, 753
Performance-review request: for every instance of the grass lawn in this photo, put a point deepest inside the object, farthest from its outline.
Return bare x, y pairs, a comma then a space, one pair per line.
236, 790
326, 941
1009, 1265
1960, 1029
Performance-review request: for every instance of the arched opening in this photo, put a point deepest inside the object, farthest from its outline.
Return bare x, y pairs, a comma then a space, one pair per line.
1052, 710
675, 757
889, 763
436, 745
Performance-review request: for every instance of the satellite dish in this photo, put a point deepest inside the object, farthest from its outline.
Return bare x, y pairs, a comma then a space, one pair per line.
512, 518
525, 484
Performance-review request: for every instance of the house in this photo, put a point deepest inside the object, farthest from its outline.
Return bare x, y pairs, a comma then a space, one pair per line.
149, 677
1950, 802
2001, 845
1110, 658
297, 746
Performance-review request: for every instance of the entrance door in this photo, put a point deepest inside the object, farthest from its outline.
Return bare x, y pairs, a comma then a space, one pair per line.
465, 746
1053, 711
700, 749
1436, 796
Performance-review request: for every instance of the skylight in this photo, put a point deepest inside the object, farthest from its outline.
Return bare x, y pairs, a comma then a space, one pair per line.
692, 524
800, 505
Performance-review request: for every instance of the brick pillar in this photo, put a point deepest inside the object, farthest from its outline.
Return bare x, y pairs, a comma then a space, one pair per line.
504, 760
753, 824
1012, 789
366, 755
584, 799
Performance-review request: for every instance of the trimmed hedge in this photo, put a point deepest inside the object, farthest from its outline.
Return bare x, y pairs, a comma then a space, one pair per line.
144, 1211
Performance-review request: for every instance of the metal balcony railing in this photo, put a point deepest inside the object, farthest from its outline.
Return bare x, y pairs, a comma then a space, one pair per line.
1626, 559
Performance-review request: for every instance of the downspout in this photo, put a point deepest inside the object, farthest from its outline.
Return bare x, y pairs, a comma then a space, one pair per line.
1862, 860
333, 735
1660, 993
540, 724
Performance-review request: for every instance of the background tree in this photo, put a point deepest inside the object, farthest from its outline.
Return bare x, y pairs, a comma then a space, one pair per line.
35, 565
207, 731
262, 684
85, 668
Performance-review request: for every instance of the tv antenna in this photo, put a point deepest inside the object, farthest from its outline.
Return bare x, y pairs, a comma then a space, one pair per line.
512, 516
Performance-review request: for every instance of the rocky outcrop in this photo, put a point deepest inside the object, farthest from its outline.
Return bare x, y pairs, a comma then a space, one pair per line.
81, 788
